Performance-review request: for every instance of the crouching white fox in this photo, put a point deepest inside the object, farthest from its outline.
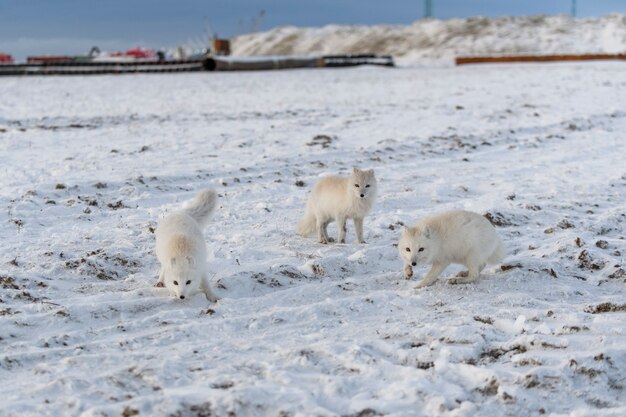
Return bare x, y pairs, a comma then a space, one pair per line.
456, 236
181, 250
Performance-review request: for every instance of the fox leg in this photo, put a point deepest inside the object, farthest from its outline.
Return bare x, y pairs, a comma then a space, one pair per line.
432, 275
408, 271
328, 238
161, 282
358, 227
473, 272
206, 289
322, 235
341, 225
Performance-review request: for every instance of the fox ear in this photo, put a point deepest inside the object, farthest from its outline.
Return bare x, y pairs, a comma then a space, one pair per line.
173, 261
191, 261
355, 170
370, 172
411, 231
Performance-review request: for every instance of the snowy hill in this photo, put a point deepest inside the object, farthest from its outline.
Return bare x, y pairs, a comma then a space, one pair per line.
434, 39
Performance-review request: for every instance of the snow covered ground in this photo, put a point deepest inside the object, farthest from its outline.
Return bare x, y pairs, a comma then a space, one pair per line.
302, 329
435, 40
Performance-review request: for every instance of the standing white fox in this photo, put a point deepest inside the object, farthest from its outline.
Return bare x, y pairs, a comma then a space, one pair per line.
181, 250
455, 236
338, 199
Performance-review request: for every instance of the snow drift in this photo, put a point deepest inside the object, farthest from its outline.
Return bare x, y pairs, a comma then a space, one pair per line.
441, 40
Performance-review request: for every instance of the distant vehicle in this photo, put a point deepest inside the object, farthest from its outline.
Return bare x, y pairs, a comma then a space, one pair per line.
49, 59
134, 54
221, 46
6, 59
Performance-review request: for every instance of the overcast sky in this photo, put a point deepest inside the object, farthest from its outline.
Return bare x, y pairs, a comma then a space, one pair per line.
73, 26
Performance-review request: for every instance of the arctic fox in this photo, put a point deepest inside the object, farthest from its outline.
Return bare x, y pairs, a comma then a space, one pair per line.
455, 236
338, 199
181, 250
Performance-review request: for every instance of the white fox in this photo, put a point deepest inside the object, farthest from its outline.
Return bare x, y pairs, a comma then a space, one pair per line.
339, 199
181, 250
455, 236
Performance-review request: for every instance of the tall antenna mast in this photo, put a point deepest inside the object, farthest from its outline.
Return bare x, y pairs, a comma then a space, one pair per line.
208, 31
256, 22
428, 8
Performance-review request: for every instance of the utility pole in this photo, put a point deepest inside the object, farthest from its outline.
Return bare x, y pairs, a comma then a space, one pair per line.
428, 8
573, 8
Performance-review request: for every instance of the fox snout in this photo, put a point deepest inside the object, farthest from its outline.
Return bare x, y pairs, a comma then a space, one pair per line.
362, 195
177, 294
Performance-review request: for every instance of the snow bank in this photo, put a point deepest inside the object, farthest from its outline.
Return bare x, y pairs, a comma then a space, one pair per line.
433, 39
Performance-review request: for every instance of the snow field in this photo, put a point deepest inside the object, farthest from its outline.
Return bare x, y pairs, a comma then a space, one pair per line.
302, 329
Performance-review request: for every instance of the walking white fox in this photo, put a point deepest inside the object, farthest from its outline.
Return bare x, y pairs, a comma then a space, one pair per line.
181, 250
455, 236
338, 199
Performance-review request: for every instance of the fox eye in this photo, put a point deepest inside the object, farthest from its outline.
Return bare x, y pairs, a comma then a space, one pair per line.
188, 282
175, 282
367, 186
420, 250
356, 185
408, 249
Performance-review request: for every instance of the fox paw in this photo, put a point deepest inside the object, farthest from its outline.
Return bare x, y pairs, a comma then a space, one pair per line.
461, 280
159, 285
212, 298
408, 272
423, 284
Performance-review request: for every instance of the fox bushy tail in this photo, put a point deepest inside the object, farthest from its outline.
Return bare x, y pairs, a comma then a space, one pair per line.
201, 208
306, 226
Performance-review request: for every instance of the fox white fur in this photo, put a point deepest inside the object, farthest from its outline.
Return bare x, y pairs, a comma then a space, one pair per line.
455, 236
338, 199
181, 250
